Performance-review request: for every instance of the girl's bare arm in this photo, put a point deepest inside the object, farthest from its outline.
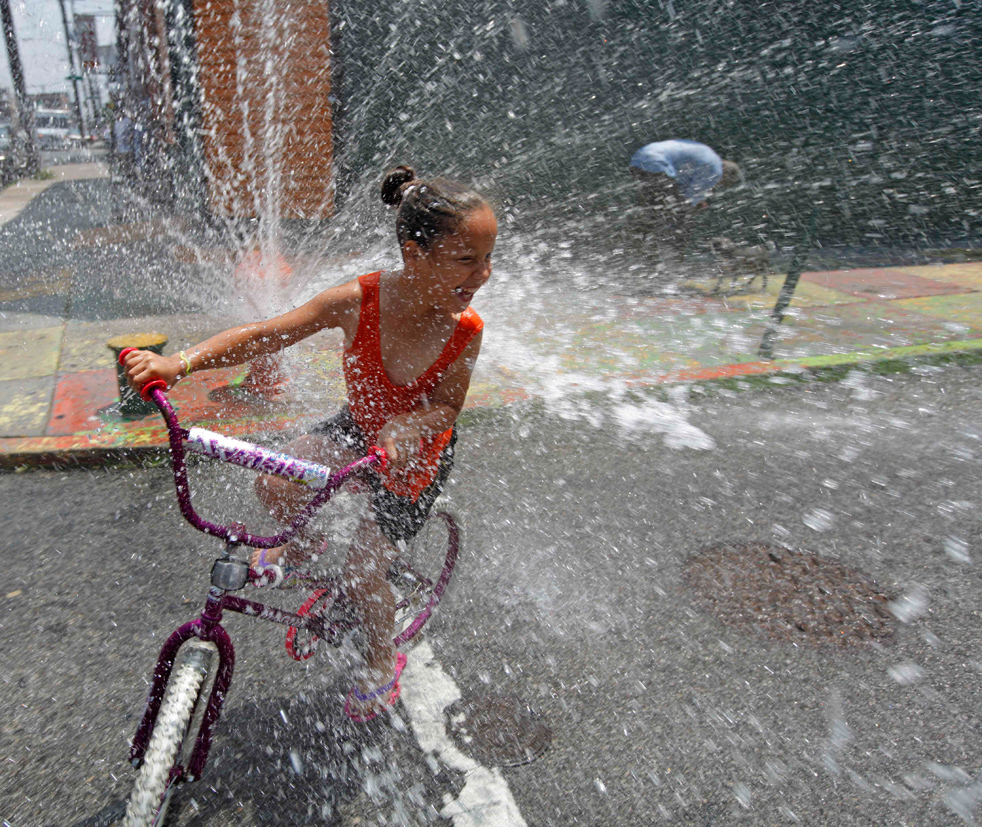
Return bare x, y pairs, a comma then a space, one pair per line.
337, 307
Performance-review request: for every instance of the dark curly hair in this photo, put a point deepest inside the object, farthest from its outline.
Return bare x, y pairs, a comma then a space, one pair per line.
427, 209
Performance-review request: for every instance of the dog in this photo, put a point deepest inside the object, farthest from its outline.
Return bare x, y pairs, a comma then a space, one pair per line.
740, 266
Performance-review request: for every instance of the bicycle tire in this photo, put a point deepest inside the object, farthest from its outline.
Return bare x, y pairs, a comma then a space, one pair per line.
154, 785
423, 569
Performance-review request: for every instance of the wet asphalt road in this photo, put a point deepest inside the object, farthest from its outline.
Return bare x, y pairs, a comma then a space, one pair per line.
569, 597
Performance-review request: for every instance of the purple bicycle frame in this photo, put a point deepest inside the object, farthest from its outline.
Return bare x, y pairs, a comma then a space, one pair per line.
208, 626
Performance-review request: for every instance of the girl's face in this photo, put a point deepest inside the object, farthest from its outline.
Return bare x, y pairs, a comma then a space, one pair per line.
460, 263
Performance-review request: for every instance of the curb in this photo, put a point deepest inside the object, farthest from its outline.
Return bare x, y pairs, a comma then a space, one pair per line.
16, 462
836, 367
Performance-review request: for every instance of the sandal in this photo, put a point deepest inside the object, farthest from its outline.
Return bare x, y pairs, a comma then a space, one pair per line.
391, 687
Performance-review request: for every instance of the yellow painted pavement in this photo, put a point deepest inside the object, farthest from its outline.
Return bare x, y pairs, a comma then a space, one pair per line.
806, 294
964, 308
25, 405
29, 354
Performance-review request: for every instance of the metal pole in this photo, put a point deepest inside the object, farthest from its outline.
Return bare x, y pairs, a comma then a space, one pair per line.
92, 78
93, 98
26, 112
787, 290
71, 69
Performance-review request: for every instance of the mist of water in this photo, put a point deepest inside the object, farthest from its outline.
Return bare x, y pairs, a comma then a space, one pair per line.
866, 118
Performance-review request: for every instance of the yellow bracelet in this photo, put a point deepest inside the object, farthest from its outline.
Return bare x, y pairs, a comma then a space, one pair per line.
186, 362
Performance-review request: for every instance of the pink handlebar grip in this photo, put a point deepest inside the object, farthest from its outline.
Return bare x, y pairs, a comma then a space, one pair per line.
383, 458
126, 351
153, 384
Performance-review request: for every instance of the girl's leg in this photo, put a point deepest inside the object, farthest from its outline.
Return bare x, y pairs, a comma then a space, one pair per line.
367, 586
284, 498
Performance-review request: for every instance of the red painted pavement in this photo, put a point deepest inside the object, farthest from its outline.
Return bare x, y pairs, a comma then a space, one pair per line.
882, 285
77, 400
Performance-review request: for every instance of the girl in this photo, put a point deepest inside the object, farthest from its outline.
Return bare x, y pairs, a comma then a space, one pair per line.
410, 343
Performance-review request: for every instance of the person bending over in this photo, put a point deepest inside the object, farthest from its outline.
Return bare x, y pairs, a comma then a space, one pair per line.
674, 179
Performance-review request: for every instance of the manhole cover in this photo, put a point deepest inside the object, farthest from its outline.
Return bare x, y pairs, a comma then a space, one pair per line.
789, 595
497, 730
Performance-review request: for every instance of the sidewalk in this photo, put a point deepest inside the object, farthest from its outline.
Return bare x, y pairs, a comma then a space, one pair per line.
18, 195
58, 385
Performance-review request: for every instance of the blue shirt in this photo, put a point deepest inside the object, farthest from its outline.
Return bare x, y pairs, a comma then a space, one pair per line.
694, 166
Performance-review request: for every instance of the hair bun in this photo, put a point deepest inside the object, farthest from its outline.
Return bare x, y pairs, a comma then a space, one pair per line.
395, 184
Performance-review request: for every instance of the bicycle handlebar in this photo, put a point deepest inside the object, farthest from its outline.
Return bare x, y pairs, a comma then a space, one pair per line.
247, 455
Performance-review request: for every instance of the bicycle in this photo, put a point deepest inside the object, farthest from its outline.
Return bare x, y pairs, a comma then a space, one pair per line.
174, 737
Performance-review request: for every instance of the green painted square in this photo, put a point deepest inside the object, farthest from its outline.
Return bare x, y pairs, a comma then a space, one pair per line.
657, 345
806, 294
860, 327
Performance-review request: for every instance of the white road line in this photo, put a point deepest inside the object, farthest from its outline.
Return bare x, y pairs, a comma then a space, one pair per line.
485, 800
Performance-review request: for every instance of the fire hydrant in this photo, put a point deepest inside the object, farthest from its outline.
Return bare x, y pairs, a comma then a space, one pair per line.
131, 405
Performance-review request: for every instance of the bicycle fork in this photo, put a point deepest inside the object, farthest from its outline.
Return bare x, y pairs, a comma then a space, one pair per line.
208, 629
227, 574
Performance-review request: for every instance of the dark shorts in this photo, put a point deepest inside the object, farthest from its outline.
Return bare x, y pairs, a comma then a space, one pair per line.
398, 517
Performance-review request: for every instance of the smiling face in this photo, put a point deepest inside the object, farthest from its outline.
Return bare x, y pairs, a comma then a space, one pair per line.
456, 265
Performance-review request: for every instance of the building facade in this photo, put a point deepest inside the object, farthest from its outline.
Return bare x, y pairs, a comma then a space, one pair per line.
233, 101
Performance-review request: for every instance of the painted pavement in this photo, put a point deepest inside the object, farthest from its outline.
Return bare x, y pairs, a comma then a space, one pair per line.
59, 393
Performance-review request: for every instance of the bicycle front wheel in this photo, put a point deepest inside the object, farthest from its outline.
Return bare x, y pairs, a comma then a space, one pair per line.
160, 771
422, 571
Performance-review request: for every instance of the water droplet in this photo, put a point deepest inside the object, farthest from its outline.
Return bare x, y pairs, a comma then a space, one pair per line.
957, 549
819, 519
905, 673
910, 606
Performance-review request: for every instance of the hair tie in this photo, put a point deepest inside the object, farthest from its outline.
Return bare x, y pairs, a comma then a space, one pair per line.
415, 184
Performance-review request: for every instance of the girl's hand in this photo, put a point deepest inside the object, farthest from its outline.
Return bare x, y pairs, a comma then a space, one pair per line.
400, 437
142, 366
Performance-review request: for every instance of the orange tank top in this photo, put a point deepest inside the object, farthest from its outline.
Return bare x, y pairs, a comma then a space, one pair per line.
374, 400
